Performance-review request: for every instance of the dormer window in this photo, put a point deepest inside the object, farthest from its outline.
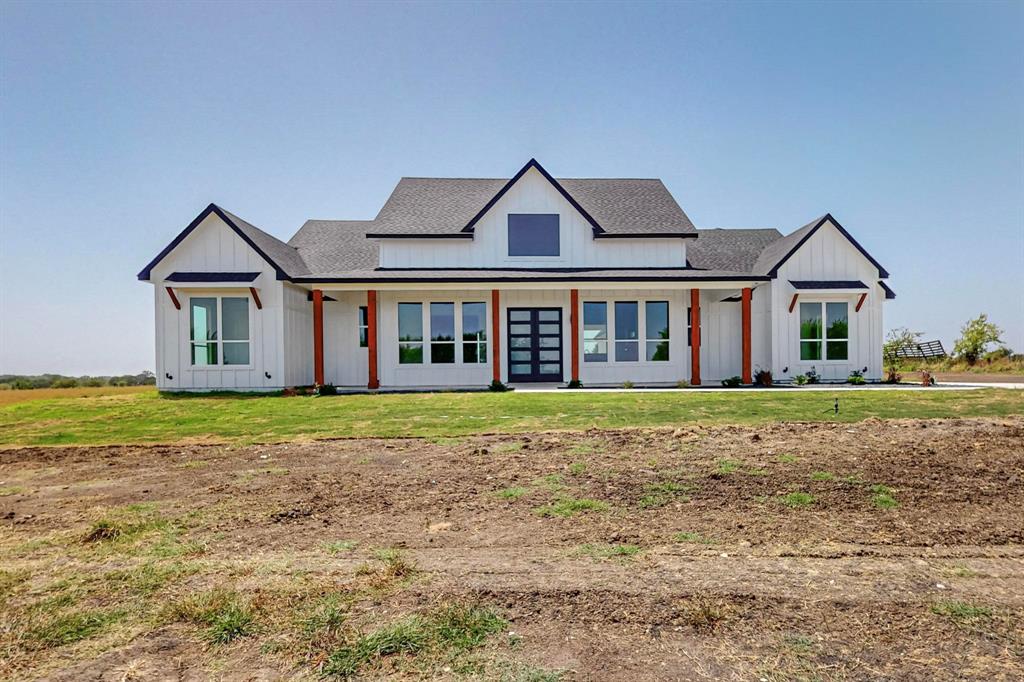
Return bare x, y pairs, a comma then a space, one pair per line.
533, 234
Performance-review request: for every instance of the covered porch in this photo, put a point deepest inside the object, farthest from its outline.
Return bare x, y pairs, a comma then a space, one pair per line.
435, 335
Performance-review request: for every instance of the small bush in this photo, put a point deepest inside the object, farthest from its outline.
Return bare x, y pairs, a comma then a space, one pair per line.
856, 378
327, 389
732, 382
800, 379
682, 383
627, 384
574, 383
497, 387
763, 377
812, 376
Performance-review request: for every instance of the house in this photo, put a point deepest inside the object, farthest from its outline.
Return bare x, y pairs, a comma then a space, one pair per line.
458, 282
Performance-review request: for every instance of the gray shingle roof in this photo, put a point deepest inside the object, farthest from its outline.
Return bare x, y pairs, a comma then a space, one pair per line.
285, 256
336, 245
777, 250
729, 249
447, 205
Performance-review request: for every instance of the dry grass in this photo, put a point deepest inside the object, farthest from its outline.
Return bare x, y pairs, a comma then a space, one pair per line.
10, 397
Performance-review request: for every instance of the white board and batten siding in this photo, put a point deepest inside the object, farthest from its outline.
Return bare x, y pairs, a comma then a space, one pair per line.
827, 255
214, 247
345, 362
489, 246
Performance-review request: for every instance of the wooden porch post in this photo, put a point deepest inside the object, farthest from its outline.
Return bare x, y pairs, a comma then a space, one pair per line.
496, 334
748, 377
371, 337
574, 329
695, 337
318, 337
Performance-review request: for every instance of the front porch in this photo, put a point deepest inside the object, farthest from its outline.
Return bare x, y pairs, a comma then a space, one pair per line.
466, 336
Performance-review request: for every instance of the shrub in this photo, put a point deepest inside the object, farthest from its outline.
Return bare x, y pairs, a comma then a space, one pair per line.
763, 377
575, 383
812, 376
627, 384
898, 338
975, 337
732, 382
856, 378
327, 389
497, 387
682, 383
800, 379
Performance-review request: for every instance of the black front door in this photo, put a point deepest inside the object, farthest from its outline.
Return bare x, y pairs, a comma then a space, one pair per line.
534, 344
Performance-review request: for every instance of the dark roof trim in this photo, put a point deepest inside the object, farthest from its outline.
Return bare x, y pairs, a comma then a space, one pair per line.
418, 235
617, 278
828, 218
532, 163
827, 284
212, 276
309, 297
212, 208
889, 293
646, 235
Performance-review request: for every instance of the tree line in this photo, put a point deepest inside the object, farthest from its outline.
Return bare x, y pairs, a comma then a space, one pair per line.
26, 381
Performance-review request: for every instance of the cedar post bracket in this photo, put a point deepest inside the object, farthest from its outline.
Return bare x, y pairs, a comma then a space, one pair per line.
860, 303
792, 304
174, 299
256, 298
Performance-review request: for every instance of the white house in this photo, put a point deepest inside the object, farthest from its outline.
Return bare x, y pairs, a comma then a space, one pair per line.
458, 282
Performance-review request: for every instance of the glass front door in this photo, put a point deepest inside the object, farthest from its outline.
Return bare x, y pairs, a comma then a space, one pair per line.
534, 344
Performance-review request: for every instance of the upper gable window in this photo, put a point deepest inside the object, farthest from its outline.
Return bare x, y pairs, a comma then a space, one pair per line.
533, 234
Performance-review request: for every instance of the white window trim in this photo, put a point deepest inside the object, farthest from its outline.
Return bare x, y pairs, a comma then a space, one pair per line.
220, 366
425, 311
824, 333
641, 339
560, 258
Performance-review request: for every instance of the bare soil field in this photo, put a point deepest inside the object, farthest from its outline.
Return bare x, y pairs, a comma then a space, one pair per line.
872, 550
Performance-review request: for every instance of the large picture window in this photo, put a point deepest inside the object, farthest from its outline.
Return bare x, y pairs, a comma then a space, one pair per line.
627, 331
533, 234
442, 333
219, 330
474, 333
656, 323
824, 327
595, 332
410, 333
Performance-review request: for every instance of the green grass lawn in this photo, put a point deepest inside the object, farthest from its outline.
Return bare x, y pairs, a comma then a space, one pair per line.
150, 418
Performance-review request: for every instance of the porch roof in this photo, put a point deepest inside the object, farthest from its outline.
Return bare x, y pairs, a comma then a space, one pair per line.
469, 275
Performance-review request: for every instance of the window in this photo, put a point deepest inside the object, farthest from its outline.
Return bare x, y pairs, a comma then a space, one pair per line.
364, 328
595, 332
656, 322
533, 234
689, 327
837, 331
834, 334
223, 344
442, 333
474, 333
410, 333
627, 331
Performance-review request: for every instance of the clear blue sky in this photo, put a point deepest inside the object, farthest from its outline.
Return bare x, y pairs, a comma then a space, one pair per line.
120, 122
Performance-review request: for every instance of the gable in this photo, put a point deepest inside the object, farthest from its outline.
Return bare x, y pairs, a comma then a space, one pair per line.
283, 258
827, 253
779, 252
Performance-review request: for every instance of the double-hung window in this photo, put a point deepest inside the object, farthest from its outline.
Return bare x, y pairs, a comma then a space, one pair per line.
824, 326
410, 333
656, 322
442, 333
474, 333
595, 332
219, 330
627, 331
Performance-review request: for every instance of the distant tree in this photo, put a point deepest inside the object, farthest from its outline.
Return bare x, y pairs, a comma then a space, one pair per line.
898, 338
64, 382
975, 337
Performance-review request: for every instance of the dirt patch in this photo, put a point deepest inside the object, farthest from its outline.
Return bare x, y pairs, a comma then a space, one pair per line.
856, 551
